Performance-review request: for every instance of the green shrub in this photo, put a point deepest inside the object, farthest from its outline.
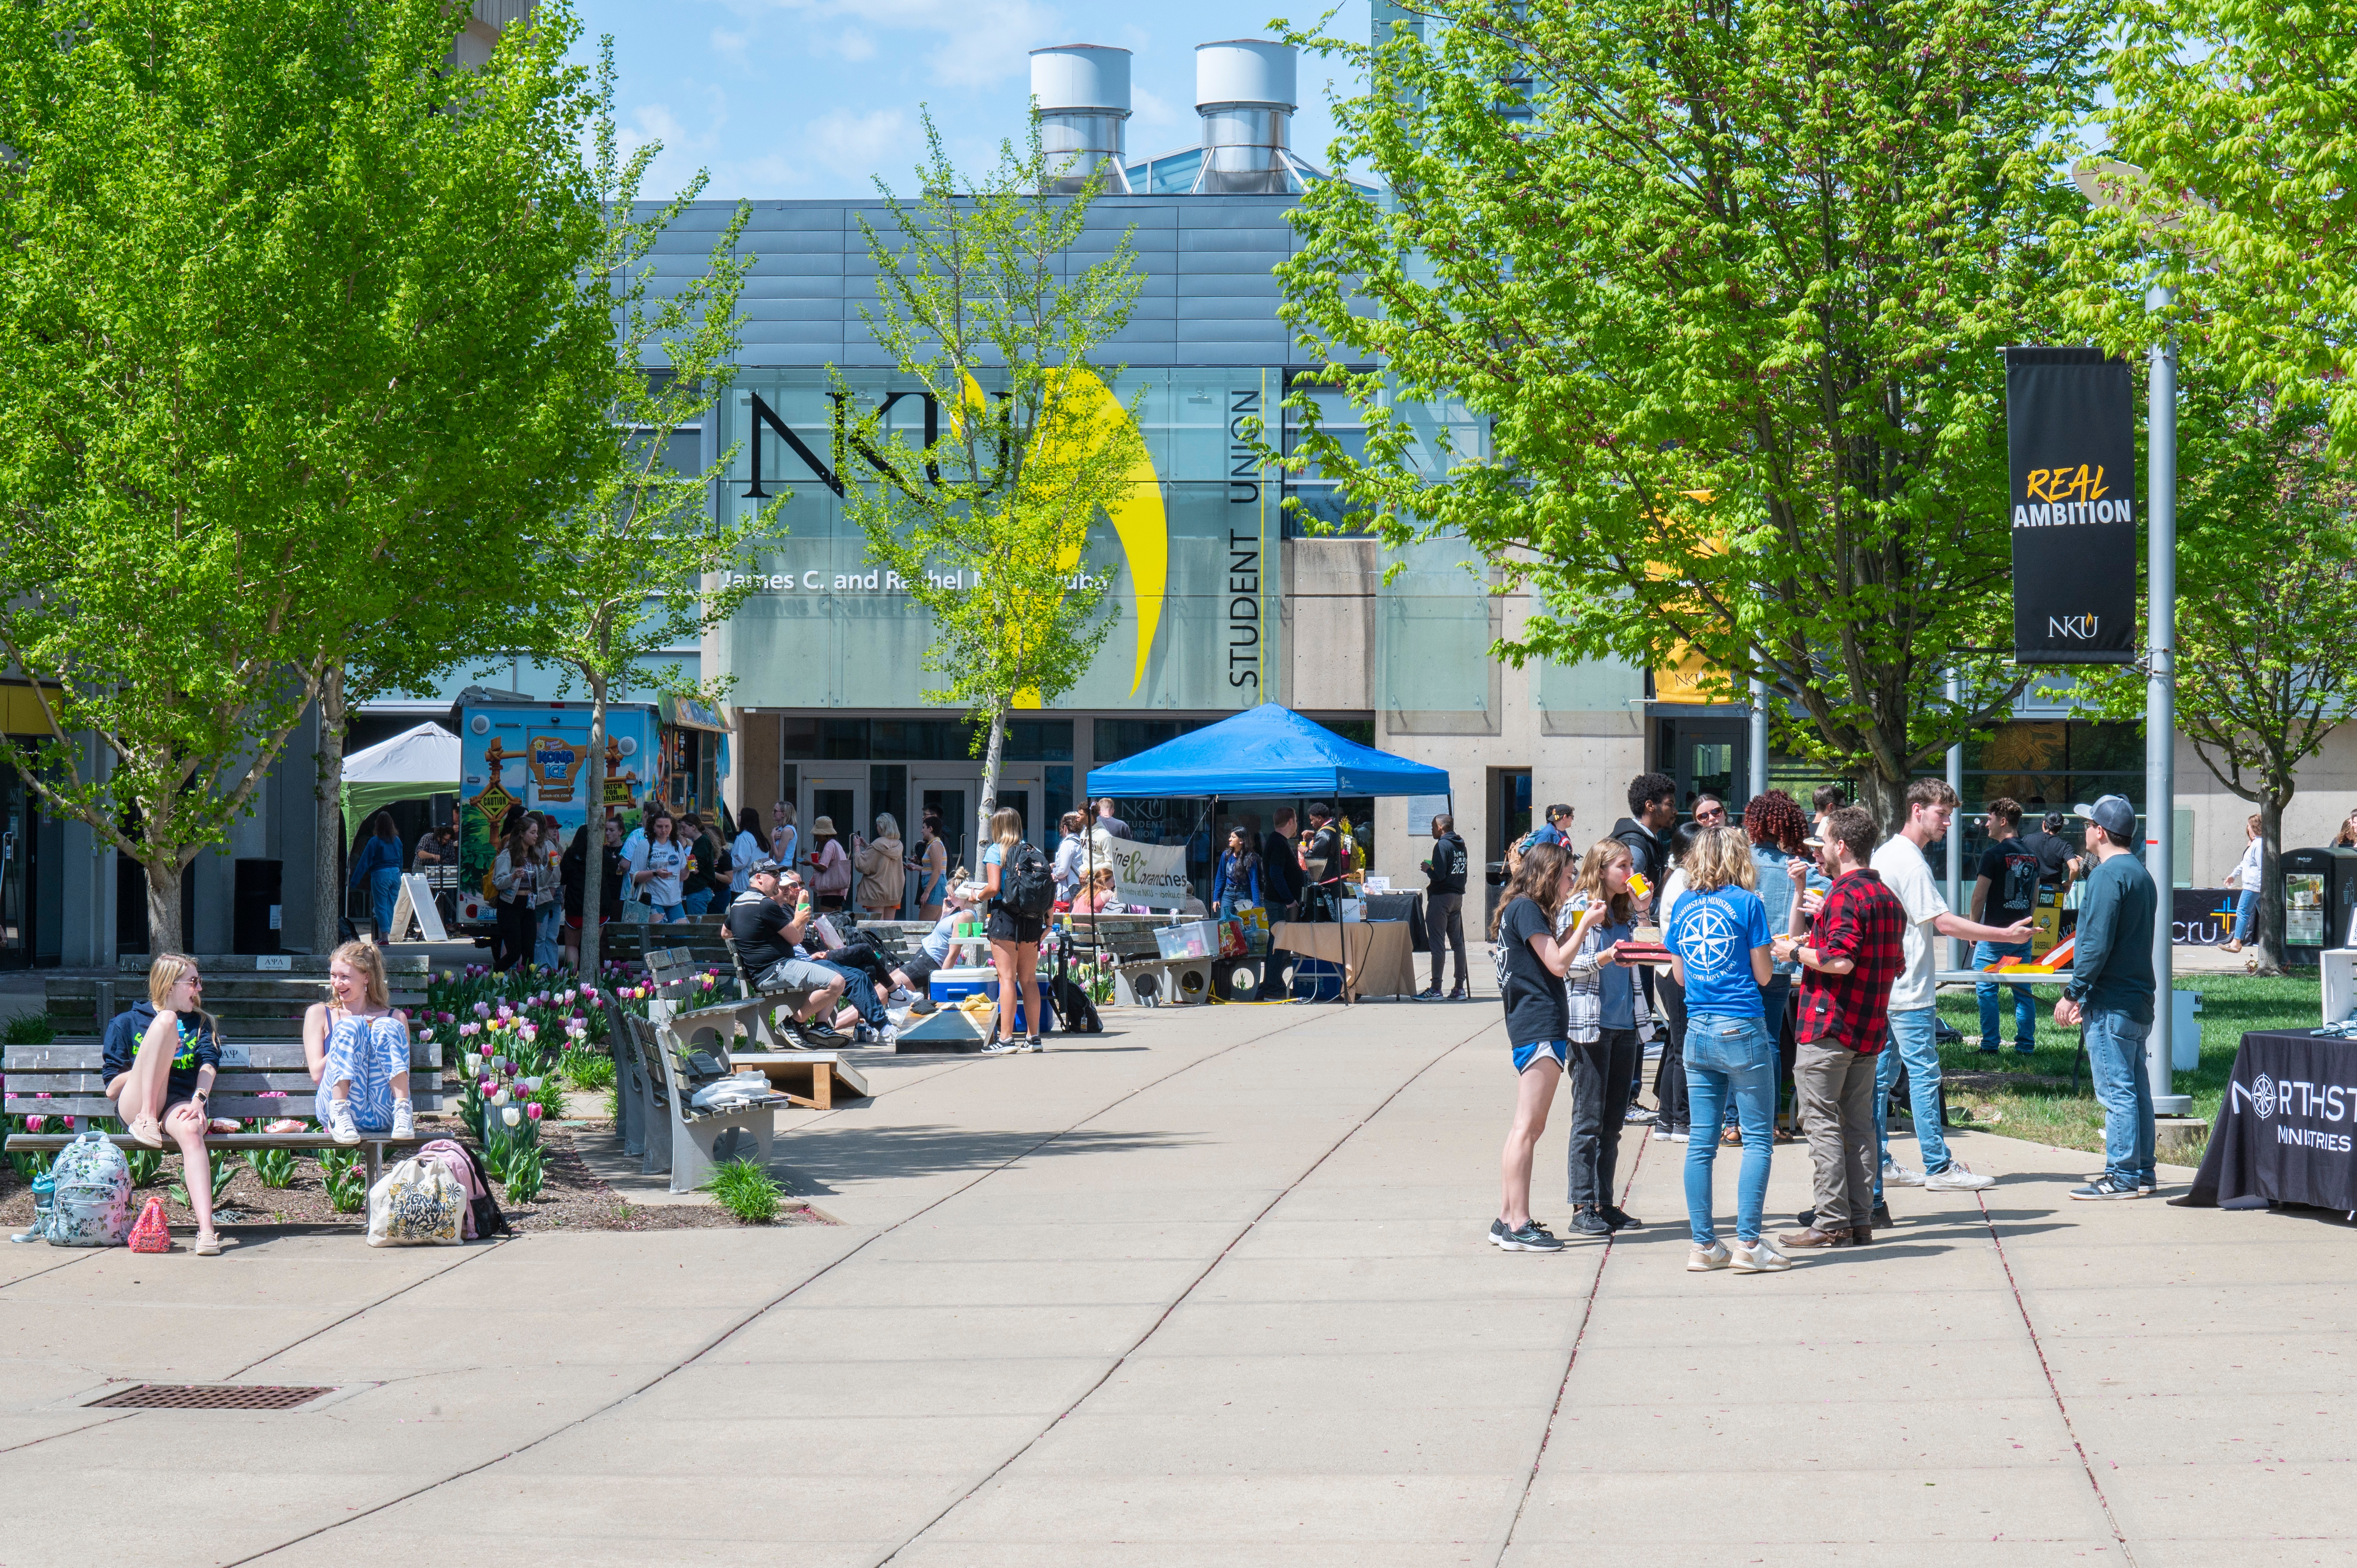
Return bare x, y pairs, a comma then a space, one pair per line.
589, 1070
29, 1029
345, 1178
525, 1175
273, 1168
744, 1190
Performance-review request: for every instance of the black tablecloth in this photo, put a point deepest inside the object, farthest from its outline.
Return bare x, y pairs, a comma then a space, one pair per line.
2285, 1132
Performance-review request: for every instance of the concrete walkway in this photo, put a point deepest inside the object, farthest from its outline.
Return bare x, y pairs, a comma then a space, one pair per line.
1212, 1290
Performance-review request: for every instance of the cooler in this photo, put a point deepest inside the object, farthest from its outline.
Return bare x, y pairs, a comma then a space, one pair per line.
950, 986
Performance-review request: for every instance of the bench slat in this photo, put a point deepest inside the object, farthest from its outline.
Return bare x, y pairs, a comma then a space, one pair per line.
66, 1055
240, 1107
231, 1081
228, 1141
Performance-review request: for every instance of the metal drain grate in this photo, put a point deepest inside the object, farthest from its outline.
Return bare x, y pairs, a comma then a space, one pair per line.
203, 1396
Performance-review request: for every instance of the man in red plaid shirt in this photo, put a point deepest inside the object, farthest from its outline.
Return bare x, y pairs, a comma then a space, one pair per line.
1848, 962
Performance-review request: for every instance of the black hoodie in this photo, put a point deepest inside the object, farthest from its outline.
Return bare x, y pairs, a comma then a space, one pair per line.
200, 1047
1650, 849
1446, 864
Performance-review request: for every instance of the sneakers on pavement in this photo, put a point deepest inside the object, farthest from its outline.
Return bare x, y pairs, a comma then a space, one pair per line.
999, 1047
1681, 1136
1661, 1135
1620, 1218
1588, 1222
1637, 1115
1759, 1256
2107, 1188
1531, 1237
888, 1036
1033, 1044
1896, 1175
1702, 1259
1461, 995
1956, 1178
1429, 994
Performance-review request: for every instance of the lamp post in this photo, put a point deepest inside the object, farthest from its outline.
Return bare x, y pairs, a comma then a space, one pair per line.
2104, 182
1957, 952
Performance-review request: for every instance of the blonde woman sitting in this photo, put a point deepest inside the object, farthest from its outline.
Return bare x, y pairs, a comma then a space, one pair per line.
357, 1047
159, 1062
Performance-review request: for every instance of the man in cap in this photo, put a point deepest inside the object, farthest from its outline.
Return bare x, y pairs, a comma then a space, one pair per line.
769, 933
2110, 996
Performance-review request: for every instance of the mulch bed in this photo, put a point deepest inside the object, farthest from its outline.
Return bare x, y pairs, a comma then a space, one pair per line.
571, 1197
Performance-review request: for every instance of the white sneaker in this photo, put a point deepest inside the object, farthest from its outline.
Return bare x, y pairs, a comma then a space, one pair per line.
1661, 1133
1759, 1258
1702, 1259
901, 996
889, 1038
999, 1047
1681, 1137
1956, 1178
404, 1121
1896, 1175
341, 1125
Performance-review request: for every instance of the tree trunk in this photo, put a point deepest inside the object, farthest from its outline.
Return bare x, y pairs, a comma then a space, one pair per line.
327, 836
1884, 799
593, 842
164, 874
990, 759
2268, 920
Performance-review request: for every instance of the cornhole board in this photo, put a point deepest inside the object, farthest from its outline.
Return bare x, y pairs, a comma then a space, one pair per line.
945, 1031
812, 1076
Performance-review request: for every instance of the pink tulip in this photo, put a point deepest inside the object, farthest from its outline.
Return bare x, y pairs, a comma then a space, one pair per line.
533, 1109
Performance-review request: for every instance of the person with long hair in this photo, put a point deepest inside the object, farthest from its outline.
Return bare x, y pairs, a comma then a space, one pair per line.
1014, 938
1779, 832
159, 1061
1719, 944
1532, 961
1096, 893
357, 1047
750, 844
656, 866
515, 880
1607, 1008
2347, 837
883, 866
1235, 882
377, 867
1674, 1121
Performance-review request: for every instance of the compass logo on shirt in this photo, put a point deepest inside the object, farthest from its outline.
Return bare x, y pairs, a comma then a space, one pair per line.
1709, 938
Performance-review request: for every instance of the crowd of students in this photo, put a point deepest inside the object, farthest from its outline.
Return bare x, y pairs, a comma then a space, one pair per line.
1794, 956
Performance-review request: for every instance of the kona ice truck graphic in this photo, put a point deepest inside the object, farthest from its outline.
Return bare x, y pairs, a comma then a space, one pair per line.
535, 755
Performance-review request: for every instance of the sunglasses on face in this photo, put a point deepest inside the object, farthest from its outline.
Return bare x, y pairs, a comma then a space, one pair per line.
1715, 814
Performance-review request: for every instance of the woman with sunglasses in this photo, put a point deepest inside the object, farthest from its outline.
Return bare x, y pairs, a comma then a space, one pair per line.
160, 1059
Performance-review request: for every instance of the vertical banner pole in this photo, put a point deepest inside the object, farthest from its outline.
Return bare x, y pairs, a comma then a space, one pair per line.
1758, 771
1957, 951
2160, 702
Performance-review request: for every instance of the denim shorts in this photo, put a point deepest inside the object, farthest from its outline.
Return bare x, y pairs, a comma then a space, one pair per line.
1559, 1051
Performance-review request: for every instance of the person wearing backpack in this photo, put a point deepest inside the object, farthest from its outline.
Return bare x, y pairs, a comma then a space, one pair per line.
1019, 889
160, 1059
1555, 830
1444, 903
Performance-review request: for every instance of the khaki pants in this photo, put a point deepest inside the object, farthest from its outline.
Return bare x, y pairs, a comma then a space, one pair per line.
1836, 1093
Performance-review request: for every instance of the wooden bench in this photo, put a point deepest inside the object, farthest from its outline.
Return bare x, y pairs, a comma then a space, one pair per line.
70, 1073
682, 1139
701, 938
248, 1002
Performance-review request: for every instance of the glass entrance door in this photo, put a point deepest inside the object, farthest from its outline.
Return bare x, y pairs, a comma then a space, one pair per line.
1708, 757
949, 798
18, 833
839, 794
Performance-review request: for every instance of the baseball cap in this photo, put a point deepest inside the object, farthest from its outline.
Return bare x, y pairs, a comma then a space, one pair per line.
764, 864
2115, 816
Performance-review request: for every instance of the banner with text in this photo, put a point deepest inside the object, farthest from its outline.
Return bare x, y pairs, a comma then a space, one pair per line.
2071, 431
1154, 874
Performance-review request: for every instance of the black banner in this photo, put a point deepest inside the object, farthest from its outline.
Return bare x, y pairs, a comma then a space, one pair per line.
2071, 429
2285, 1133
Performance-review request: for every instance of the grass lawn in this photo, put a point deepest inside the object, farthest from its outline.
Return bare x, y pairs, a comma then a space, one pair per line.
2030, 1097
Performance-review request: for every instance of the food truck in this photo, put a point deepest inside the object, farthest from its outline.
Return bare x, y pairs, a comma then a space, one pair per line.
515, 750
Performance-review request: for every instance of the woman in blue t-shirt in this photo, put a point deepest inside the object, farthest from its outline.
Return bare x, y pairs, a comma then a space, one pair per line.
1530, 964
1718, 944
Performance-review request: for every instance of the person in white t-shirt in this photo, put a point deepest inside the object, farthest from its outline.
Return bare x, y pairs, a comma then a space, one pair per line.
1915, 1027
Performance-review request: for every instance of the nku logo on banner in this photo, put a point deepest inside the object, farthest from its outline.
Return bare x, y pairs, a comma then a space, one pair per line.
2267, 1097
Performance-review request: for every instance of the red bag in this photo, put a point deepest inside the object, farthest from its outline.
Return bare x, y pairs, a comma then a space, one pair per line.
148, 1232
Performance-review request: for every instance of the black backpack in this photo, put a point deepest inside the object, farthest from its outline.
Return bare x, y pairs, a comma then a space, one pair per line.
1074, 1011
1025, 885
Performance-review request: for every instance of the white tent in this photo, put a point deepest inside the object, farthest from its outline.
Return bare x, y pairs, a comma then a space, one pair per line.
412, 765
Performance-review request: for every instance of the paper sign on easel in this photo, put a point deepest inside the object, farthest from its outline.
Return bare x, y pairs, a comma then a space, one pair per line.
416, 902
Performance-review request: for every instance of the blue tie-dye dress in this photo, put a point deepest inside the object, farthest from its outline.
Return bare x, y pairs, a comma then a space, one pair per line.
370, 1052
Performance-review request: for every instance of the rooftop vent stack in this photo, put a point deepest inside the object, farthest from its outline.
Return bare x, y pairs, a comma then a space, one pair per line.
1244, 91
1081, 94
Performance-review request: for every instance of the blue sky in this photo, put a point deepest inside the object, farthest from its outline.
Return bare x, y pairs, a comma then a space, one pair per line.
809, 98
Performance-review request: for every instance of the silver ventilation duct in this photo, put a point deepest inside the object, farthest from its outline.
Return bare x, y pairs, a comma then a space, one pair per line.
1080, 97
1244, 91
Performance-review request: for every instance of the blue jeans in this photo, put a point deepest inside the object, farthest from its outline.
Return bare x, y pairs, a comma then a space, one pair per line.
2247, 914
669, 914
2115, 1059
2024, 1005
385, 892
1728, 1058
860, 992
1916, 1031
697, 902
1232, 907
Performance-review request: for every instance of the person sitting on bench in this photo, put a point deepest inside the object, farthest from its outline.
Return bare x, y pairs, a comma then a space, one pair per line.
915, 977
768, 936
159, 1060
357, 1047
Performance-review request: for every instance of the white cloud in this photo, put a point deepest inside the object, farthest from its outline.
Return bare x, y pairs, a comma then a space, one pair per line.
974, 43
856, 45
860, 145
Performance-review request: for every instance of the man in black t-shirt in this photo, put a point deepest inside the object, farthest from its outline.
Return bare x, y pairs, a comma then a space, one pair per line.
1321, 865
2057, 863
1280, 866
2004, 893
769, 936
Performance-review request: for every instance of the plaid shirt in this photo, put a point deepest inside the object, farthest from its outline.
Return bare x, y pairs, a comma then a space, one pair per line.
1862, 920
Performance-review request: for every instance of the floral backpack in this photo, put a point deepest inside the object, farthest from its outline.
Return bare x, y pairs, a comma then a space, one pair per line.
91, 1204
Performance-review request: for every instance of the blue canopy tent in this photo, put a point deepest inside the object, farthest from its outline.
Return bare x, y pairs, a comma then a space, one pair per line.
1269, 750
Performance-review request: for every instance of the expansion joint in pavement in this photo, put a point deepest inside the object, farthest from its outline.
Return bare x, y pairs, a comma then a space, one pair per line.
749, 1318
2037, 1346
1178, 1300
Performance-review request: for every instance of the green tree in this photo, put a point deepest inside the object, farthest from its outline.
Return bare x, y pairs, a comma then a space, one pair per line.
287, 319
2266, 590
2238, 114
651, 558
987, 524
1728, 285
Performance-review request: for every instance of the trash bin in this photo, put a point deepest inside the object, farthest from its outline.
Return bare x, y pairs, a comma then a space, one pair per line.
2319, 901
